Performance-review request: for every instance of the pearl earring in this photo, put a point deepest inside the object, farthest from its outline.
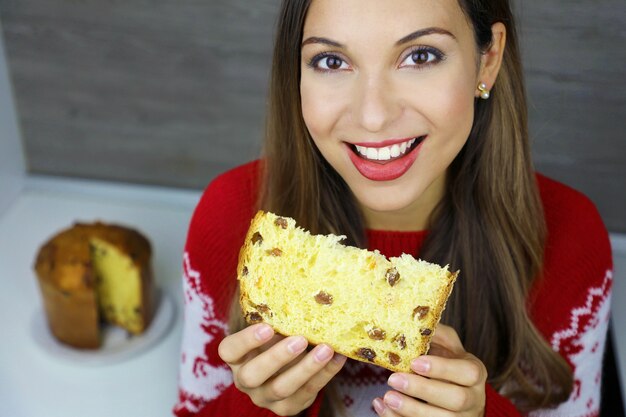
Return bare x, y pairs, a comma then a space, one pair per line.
484, 92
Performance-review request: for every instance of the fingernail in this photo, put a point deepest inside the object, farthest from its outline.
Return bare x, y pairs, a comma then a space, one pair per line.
323, 353
263, 332
297, 344
338, 357
393, 400
379, 406
398, 381
420, 365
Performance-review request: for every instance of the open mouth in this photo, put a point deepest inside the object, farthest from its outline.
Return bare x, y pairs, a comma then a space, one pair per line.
385, 161
386, 154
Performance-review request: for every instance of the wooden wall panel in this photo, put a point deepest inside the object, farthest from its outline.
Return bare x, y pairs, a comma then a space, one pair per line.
171, 93
12, 167
159, 91
575, 62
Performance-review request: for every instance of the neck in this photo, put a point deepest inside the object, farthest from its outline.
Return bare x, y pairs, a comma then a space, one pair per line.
414, 217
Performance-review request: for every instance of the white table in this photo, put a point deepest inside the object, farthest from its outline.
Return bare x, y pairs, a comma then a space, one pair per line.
32, 382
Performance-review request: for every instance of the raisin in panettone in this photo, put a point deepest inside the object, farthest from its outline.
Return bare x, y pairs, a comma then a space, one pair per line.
93, 273
363, 305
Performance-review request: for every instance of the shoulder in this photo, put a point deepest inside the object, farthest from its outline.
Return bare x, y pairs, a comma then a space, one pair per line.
226, 206
234, 192
571, 216
577, 255
235, 186
570, 303
559, 198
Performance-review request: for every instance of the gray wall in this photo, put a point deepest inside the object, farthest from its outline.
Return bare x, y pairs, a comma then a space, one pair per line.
172, 93
161, 91
575, 58
11, 157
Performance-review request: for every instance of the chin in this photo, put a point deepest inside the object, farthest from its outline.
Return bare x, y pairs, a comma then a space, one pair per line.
384, 202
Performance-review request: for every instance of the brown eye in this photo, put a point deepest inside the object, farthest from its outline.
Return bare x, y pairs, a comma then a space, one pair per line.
420, 57
332, 62
327, 61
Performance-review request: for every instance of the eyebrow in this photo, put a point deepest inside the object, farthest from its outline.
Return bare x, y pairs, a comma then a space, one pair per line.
325, 41
408, 38
424, 32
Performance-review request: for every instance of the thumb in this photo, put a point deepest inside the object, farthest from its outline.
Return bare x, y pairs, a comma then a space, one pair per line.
445, 338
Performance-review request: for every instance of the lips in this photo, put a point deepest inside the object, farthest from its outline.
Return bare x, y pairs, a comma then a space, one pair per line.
385, 161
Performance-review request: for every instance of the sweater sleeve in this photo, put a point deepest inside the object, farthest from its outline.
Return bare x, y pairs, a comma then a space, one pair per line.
570, 304
216, 232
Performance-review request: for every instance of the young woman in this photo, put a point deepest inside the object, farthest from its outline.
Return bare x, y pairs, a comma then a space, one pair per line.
402, 124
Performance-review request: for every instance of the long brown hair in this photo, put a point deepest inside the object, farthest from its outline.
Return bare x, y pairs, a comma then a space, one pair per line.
490, 223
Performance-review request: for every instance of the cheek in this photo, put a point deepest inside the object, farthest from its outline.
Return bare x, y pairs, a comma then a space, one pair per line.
321, 107
453, 109
312, 112
449, 110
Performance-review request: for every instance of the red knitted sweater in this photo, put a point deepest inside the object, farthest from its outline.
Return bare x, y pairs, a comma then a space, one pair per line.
570, 306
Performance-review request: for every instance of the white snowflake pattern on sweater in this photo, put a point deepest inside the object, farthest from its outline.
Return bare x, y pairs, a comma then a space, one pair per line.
582, 342
202, 375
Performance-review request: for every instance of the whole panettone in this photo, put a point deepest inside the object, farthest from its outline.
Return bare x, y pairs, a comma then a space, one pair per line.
363, 305
93, 273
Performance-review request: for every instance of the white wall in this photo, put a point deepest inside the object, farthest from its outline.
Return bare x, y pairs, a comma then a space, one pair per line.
618, 305
12, 165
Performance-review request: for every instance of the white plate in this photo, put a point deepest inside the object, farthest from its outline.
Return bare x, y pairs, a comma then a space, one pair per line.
117, 345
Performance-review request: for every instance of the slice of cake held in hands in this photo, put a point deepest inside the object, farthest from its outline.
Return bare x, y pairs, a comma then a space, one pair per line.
360, 303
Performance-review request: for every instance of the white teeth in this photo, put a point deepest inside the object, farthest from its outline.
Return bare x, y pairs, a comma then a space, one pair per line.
385, 153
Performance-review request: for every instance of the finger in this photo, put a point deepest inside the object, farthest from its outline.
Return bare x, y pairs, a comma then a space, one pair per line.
255, 352
293, 363
262, 367
468, 371
308, 377
274, 339
447, 337
322, 378
381, 408
398, 404
440, 350
437, 393
306, 395
235, 347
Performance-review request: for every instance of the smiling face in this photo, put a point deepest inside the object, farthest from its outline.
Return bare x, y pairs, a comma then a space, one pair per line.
388, 92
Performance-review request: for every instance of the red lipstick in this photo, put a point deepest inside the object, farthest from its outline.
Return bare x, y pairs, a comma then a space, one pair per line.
384, 170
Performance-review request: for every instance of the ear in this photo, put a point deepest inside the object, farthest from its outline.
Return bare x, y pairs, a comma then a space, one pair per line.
491, 59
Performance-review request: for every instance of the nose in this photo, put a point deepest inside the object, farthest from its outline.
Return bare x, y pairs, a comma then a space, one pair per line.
375, 105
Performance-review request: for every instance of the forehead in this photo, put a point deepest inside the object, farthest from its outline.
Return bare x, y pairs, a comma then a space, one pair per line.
347, 18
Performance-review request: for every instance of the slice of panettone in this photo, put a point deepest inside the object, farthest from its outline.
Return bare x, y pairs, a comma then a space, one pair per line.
363, 305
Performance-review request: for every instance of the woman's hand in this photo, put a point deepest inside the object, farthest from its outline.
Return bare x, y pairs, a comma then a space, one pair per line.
447, 382
277, 372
